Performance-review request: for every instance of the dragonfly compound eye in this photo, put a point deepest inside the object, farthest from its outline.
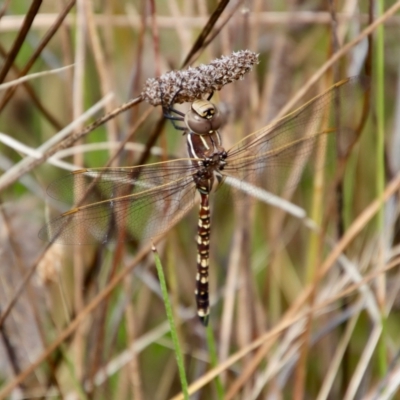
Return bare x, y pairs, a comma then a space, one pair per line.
197, 124
204, 108
203, 117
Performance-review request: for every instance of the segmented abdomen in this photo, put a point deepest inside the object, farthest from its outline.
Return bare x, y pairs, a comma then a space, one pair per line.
203, 250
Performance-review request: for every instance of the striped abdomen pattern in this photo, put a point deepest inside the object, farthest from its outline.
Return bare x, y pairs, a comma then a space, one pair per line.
203, 251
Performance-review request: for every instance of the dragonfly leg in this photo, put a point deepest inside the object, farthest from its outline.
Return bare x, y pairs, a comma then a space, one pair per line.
203, 250
168, 110
168, 114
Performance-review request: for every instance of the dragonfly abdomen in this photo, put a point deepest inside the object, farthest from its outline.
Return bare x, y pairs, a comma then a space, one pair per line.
203, 256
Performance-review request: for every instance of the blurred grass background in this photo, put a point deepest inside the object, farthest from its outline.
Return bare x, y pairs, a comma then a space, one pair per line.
67, 333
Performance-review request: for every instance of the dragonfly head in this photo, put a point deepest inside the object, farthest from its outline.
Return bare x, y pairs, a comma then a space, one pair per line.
203, 118
204, 108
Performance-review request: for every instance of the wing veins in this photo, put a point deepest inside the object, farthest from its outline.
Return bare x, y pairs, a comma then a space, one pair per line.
135, 196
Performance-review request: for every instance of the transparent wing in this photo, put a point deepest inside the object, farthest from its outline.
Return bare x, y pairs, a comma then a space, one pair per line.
272, 152
144, 200
87, 186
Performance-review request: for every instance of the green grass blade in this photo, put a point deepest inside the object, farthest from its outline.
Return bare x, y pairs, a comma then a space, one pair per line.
212, 349
174, 333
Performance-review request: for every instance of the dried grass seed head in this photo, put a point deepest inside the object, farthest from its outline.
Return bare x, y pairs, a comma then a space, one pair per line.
192, 83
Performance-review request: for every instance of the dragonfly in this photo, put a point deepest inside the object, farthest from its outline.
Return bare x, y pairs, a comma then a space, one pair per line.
144, 200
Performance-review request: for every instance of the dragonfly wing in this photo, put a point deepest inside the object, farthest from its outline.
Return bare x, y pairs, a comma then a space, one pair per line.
87, 186
145, 214
275, 154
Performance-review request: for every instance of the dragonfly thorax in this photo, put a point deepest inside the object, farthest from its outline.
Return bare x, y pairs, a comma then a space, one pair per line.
209, 172
216, 161
203, 118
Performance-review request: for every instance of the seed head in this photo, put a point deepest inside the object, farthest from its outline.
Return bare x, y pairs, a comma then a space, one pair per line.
192, 83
